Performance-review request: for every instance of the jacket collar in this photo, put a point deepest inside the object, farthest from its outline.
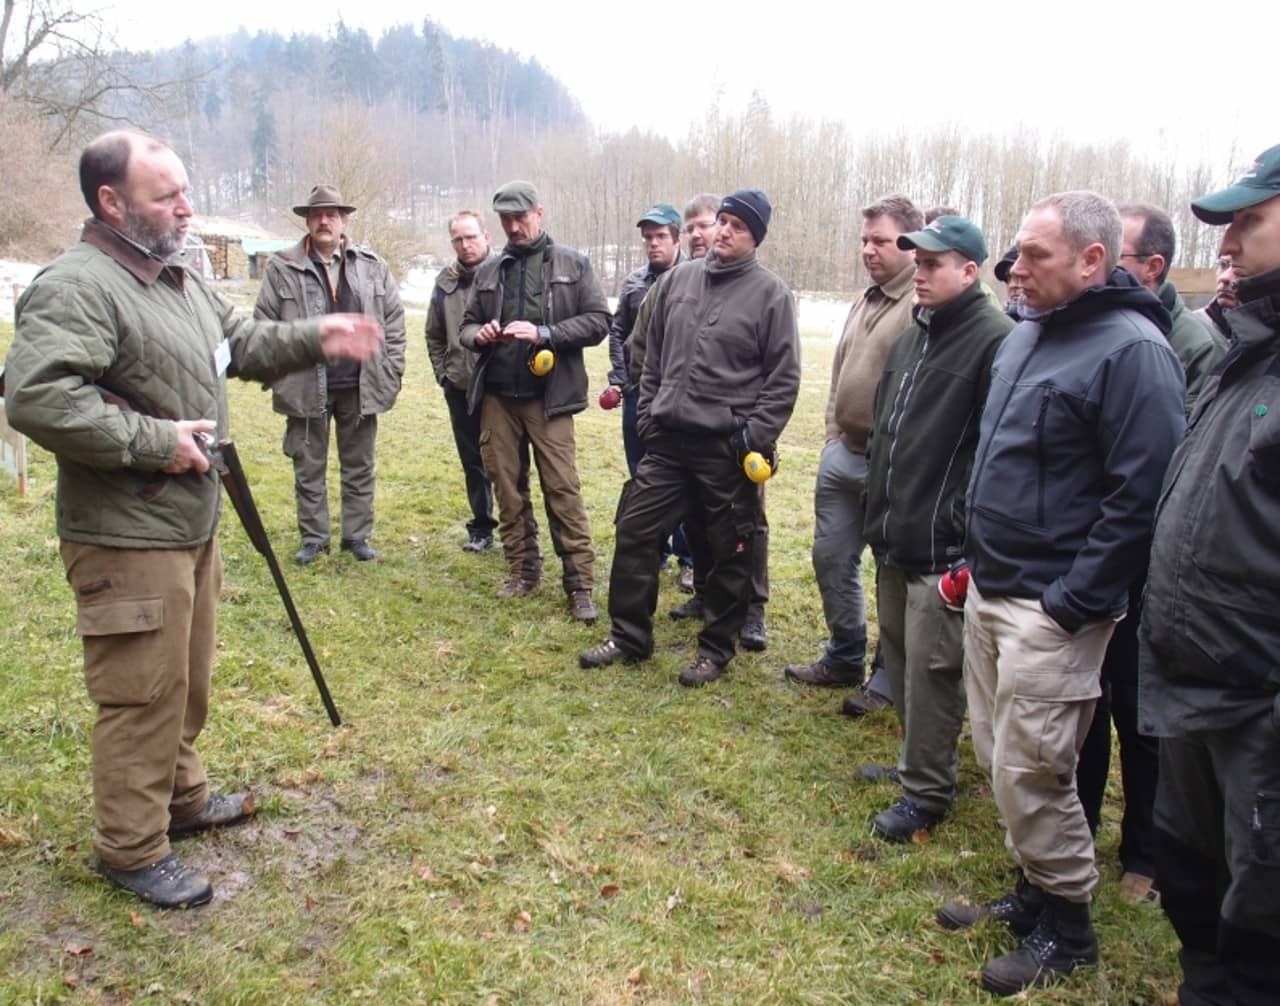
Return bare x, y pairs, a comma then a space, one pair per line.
1171, 299
299, 256
145, 266
680, 257
941, 317
717, 268
1257, 319
451, 277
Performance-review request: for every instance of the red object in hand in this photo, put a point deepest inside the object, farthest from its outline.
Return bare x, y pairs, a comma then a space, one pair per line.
611, 397
953, 585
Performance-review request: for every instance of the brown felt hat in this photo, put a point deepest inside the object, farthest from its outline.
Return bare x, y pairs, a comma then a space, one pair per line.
323, 197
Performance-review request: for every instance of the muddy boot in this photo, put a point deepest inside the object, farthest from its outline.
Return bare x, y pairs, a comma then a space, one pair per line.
1062, 940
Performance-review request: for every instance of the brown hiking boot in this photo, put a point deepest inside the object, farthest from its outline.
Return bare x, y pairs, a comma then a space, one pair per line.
582, 607
219, 811
604, 654
823, 674
863, 701
516, 586
700, 670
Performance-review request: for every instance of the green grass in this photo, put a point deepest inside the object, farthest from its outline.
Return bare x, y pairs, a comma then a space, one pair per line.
492, 824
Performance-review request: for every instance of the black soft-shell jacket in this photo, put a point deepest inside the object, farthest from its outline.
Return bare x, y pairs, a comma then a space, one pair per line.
925, 431
1211, 617
1084, 411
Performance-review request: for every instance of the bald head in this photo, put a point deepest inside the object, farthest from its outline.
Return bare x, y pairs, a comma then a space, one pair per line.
105, 161
137, 185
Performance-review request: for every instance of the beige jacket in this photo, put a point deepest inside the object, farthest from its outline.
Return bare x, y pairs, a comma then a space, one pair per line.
875, 322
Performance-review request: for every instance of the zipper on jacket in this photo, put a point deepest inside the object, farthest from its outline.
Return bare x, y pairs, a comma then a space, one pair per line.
901, 400
1039, 428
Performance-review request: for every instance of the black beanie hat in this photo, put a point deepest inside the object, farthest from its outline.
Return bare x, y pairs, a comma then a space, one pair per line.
751, 206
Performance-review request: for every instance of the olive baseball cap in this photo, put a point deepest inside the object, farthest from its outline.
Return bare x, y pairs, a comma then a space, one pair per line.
1260, 183
948, 233
661, 213
515, 197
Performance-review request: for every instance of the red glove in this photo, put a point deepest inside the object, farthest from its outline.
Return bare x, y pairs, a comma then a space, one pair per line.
953, 585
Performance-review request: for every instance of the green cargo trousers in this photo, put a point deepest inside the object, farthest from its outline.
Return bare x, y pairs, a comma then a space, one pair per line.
923, 648
146, 617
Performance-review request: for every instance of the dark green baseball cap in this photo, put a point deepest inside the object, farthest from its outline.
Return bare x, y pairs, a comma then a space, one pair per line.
661, 213
948, 233
1260, 183
515, 197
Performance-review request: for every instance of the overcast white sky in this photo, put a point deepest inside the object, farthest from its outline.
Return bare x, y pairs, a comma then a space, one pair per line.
1190, 81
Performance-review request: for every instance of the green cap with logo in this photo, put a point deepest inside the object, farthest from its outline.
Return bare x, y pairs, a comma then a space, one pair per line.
1260, 183
948, 233
661, 213
515, 197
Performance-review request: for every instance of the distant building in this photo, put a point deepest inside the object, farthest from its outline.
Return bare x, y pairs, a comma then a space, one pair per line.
231, 249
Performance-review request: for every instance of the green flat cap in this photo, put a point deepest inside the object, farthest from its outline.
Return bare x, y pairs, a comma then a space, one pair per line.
1260, 183
661, 213
515, 197
948, 233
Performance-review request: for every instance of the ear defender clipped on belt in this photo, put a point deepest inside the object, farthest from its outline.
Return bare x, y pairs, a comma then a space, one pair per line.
541, 361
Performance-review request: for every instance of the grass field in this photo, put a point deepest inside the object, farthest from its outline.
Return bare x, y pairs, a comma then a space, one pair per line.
492, 824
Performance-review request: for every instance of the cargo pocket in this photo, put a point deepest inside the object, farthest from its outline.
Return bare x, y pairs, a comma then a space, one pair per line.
1048, 706
123, 649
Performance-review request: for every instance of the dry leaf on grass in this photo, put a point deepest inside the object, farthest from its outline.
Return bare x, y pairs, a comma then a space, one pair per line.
920, 836
636, 977
521, 923
609, 891
12, 838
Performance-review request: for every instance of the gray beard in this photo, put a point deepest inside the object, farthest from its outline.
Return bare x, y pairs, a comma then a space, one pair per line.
162, 244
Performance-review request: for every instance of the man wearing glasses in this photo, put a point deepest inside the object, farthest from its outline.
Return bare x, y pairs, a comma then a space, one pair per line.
453, 364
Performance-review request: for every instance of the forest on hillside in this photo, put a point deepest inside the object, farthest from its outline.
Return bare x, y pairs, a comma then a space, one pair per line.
415, 124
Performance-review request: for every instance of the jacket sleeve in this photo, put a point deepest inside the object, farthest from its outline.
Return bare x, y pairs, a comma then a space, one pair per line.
780, 365
831, 430
651, 372
640, 335
437, 338
1199, 359
65, 341
263, 350
1140, 422
955, 507
589, 322
620, 329
476, 314
392, 321
267, 305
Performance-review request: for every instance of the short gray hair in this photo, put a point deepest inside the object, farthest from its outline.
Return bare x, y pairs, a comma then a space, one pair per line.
1088, 218
704, 203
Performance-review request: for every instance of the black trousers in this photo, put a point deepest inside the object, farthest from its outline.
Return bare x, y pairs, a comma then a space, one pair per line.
679, 474
1139, 755
699, 549
1217, 821
466, 436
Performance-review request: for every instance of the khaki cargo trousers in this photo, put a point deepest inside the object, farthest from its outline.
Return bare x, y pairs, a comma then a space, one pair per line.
1031, 689
146, 617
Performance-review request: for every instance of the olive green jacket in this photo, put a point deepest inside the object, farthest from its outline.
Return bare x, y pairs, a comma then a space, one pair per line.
107, 317
293, 288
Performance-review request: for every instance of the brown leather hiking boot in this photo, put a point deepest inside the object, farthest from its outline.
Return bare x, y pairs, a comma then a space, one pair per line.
516, 586
701, 669
582, 607
823, 674
863, 701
